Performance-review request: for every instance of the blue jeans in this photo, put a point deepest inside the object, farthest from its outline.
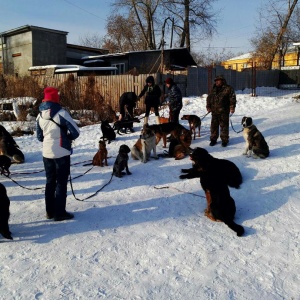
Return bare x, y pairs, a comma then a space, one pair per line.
57, 173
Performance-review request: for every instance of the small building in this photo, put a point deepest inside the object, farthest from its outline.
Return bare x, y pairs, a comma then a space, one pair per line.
27, 46
145, 62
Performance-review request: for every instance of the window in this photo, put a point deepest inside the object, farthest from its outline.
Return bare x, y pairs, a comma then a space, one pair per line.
121, 69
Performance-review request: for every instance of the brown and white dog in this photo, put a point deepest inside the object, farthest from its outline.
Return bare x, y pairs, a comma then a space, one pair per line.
256, 146
144, 145
194, 123
100, 158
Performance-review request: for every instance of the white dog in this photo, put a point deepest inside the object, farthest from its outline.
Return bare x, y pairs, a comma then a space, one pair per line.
144, 145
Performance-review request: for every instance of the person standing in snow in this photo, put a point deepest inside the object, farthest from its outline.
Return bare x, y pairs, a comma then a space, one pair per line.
220, 102
153, 93
56, 129
127, 103
174, 99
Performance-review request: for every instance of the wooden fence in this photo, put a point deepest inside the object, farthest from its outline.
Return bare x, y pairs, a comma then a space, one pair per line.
110, 87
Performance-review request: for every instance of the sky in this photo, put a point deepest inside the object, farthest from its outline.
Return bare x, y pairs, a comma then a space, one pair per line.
144, 236
235, 27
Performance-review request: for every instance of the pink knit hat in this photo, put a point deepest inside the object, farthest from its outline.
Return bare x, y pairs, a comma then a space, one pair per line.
51, 95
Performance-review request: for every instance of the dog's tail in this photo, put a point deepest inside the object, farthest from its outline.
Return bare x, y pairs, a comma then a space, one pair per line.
235, 227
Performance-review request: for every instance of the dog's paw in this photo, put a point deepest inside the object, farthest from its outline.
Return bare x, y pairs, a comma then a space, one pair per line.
185, 170
128, 173
244, 153
183, 176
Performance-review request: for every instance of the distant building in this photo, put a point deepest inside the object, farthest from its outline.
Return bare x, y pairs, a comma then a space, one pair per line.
291, 60
27, 46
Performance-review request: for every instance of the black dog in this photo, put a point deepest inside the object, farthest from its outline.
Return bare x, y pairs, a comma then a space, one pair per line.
215, 177
5, 163
4, 213
108, 133
123, 126
121, 162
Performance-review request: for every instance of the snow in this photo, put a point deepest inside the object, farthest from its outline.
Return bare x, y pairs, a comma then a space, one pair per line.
145, 236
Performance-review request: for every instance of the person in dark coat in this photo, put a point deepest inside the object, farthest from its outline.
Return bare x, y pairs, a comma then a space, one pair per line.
153, 93
174, 99
127, 103
220, 102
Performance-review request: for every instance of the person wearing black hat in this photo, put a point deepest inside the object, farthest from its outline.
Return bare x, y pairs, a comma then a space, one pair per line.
220, 102
174, 97
153, 93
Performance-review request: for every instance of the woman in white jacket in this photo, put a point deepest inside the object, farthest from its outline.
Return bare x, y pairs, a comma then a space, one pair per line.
56, 129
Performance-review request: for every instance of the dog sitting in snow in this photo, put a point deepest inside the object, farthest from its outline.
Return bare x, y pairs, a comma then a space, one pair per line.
144, 145
256, 146
215, 177
108, 133
4, 213
100, 158
121, 162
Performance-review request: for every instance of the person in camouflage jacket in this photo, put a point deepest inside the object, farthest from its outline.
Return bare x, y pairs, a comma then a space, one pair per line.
220, 102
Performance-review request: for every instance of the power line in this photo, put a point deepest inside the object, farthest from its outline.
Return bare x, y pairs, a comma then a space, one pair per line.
84, 10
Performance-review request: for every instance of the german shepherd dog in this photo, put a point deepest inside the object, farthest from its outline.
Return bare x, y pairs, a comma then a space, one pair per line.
162, 130
9, 147
125, 125
4, 213
108, 133
194, 123
121, 162
144, 145
215, 177
100, 158
5, 163
180, 148
256, 146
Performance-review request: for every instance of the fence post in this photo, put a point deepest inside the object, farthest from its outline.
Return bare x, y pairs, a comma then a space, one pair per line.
253, 87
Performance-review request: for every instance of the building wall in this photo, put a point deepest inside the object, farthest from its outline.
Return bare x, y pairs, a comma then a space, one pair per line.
17, 55
48, 48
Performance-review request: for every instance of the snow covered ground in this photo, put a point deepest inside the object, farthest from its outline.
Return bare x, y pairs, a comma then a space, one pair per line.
145, 236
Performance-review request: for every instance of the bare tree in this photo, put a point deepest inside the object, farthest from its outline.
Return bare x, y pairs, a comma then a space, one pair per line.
91, 40
274, 34
191, 16
142, 11
123, 34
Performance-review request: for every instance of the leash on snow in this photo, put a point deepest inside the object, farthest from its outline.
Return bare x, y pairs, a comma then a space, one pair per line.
232, 125
24, 187
168, 187
92, 195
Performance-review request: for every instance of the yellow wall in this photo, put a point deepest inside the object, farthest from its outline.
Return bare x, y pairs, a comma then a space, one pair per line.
245, 61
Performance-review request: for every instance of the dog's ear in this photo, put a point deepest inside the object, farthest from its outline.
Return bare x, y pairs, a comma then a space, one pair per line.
243, 120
